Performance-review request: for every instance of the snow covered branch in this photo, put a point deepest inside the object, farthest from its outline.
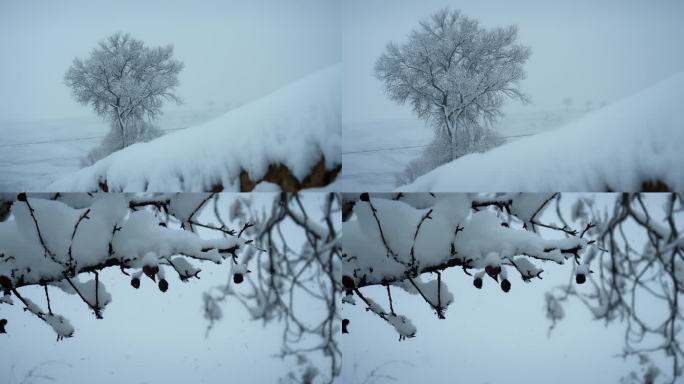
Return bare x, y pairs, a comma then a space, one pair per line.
397, 240
56, 241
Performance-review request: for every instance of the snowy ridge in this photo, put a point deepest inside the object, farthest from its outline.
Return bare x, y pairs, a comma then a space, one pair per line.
294, 126
620, 147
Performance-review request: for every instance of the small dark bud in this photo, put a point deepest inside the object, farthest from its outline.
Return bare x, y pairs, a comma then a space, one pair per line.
21, 196
135, 282
3, 322
162, 224
238, 278
348, 282
163, 285
493, 271
580, 278
364, 197
477, 283
345, 324
151, 271
505, 285
5, 282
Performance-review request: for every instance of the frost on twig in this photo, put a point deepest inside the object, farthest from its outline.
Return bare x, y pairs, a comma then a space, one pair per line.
406, 241
62, 242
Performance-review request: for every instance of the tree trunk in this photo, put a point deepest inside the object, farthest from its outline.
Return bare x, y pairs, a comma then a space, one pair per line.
452, 137
122, 127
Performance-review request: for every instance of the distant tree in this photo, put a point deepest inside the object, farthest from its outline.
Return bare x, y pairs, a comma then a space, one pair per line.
456, 75
125, 81
567, 102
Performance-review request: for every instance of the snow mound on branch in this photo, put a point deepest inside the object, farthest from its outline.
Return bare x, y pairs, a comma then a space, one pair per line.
619, 147
294, 126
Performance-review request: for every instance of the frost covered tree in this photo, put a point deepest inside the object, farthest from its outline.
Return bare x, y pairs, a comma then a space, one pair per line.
125, 82
455, 74
63, 242
626, 262
567, 102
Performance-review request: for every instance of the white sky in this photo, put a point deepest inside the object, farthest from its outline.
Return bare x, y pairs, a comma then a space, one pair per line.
583, 49
234, 51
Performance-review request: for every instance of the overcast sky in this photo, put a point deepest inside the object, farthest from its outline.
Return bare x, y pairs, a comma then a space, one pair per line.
583, 49
233, 51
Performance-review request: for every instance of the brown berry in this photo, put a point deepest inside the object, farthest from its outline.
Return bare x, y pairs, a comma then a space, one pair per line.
5, 282
163, 285
238, 278
493, 271
151, 271
21, 196
580, 278
135, 282
505, 285
364, 197
345, 324
348, 282
478, 282
3, 322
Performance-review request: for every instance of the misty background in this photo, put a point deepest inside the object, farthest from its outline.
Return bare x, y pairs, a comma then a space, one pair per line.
584, 49
233, 51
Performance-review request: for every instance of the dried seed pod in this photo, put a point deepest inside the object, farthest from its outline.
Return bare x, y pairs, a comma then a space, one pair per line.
151, 271
345, 324
163, 285
478, 282
505, 285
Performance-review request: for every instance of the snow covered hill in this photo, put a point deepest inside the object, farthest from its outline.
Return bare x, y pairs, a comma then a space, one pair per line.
634, 144
296, 127
375, 152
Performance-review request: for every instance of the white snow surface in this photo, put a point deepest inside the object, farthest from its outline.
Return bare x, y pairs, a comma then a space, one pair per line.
619, 147
293, 126
480, 238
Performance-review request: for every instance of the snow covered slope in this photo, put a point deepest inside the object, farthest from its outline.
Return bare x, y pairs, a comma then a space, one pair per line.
634, 141
293, 126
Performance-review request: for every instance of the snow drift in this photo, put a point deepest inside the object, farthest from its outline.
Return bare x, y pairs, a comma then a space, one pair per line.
632, 145
297, 127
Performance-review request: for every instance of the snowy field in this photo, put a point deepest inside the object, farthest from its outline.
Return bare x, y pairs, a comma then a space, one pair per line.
296, 126
374, 152
634, 144
35, 153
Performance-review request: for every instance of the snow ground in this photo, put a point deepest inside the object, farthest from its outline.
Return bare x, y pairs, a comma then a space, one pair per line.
293, 126
35, 153
374, 152
630, 142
